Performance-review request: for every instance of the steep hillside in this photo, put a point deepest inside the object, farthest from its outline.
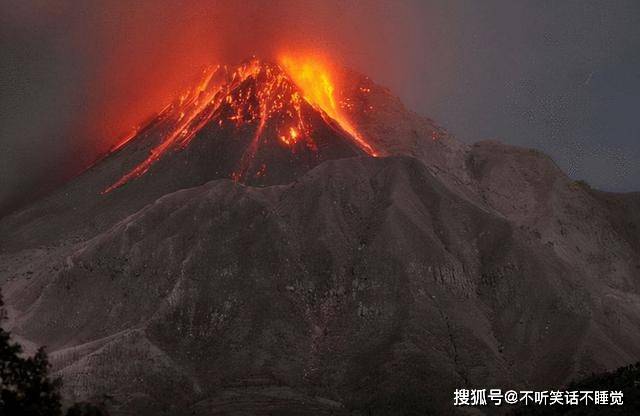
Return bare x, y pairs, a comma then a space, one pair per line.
250, 251
354, 287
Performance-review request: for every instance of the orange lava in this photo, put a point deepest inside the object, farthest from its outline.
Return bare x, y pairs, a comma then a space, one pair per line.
186, 112
251, 94
314, 78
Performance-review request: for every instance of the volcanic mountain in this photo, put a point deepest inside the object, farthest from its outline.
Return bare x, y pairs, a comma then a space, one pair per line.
284, 239
252, 122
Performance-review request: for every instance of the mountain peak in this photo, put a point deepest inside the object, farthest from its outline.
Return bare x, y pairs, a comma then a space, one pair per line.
257, 123
289, 106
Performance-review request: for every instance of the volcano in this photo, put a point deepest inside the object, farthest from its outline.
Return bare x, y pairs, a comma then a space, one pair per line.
286, 238
257, 124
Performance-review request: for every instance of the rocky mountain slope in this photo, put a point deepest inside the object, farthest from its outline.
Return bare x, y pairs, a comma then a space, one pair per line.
340, 284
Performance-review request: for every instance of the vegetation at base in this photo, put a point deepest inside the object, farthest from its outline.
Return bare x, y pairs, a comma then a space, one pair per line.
86, 409
25, 386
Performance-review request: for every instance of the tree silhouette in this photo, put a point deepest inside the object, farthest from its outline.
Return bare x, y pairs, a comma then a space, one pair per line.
86, 409
25, 388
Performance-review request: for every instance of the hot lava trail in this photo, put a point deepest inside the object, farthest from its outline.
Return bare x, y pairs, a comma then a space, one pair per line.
257, 94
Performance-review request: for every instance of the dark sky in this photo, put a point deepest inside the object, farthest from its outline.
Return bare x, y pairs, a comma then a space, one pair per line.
560, 76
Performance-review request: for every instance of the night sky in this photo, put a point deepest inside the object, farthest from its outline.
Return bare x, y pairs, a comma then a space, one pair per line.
559, 76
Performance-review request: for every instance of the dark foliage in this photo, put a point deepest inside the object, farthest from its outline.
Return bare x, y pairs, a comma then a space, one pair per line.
86, 409
25, 388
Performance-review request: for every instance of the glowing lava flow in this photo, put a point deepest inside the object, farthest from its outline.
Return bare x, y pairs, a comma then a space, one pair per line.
314, 79
252, 94
278, 101
190, 107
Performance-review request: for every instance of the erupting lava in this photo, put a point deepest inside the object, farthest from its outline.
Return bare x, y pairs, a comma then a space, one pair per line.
314, 79
253, 93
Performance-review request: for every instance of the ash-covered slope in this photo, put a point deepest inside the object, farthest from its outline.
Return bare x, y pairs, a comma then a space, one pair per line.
349, 285
355, 288
250, 123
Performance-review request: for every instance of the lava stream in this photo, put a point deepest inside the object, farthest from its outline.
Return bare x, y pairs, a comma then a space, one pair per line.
254, 92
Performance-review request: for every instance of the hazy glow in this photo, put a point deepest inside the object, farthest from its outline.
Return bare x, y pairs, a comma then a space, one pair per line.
313, 76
